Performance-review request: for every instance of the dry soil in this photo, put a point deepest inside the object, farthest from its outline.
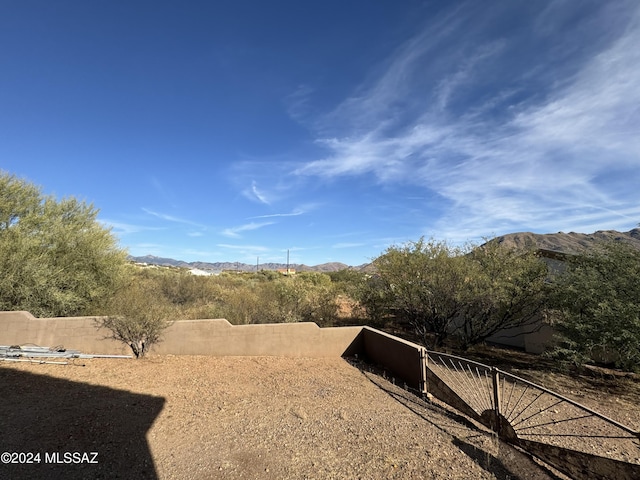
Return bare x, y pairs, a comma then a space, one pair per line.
196, 417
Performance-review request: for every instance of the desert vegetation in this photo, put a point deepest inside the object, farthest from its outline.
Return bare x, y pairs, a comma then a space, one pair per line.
596, 307
56, 259
461, 296
241, 298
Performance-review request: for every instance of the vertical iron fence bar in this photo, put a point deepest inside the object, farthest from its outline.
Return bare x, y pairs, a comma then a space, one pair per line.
496, 390
488, 388
495, 376
424, 359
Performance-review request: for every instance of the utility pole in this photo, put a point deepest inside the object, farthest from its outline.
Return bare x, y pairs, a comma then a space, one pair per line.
287, 261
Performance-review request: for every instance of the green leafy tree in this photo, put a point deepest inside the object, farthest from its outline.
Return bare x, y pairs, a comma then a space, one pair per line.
504, 289
465, 293
320, 302
56, 259
372, 298
422, 284
597, 301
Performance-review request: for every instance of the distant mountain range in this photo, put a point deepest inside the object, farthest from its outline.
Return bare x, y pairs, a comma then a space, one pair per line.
238, 266
568, 242
560, 242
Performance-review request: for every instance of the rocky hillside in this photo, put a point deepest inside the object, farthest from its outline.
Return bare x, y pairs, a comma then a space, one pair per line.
568, 242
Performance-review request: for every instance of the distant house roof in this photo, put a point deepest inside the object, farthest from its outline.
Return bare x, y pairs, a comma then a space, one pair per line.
286, 271
200, 273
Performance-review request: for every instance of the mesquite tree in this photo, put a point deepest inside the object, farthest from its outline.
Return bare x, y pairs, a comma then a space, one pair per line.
423, 284
597, 301
506, 289
56, 259
468, 293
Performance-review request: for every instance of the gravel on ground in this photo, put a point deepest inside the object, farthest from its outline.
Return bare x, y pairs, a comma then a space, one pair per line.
199, 417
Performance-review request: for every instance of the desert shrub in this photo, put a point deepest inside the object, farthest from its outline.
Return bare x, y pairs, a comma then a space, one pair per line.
242, 305
266, 275
243, 298
139, 315
372, 299
183, 288
300, 298
348, 282
597, 307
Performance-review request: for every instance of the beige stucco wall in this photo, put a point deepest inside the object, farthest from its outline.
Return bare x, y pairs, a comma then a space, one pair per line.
184, 337
75, 333
402, 358
219, 337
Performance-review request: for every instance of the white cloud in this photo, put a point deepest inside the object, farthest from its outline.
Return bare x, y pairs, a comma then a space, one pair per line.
121, 228
598, 110
348, 245
251, 254
165, 194
199, 254
295, 213
170, 218
538, 164
236, 231
298, 104
255, 194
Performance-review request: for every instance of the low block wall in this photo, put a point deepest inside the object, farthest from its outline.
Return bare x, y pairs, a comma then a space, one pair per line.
185, 337
220, 338
402, 358
74, 333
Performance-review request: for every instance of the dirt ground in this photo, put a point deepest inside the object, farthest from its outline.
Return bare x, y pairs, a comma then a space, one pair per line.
196, 417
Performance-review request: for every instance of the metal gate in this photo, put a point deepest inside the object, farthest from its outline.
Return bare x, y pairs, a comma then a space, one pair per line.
567, 435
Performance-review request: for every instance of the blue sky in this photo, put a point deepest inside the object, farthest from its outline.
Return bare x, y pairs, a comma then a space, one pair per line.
232, 130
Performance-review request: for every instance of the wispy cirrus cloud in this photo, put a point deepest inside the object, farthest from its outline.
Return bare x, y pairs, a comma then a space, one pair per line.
298, 102
302, 209
347, 245
236, 231
295, 213
255, 194
122, 228
170, 218
530, 152
162, 190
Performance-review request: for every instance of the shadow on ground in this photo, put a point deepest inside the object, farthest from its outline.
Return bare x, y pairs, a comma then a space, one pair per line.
502, 460
35, 419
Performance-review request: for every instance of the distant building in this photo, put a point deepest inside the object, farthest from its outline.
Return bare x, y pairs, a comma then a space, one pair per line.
200, 273
287, 271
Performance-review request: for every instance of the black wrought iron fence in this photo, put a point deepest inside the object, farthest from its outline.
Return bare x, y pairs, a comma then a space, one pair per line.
572, 437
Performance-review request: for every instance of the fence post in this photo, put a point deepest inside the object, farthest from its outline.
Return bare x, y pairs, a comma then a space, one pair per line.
495, 377
423, 371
